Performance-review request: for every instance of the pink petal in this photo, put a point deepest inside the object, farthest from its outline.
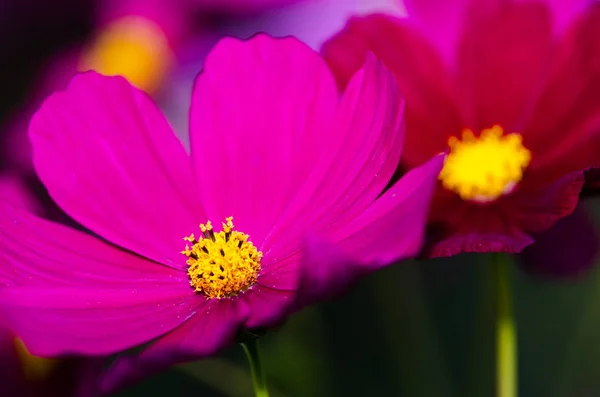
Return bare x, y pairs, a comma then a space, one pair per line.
565, 11
257, 130
536, 209
442, 21
478, 239
111, 161
26, 239
566, 121
507, 225
268, 306
87, 296
457, 226
94, 321
503, 65
364, 152
213, 328
280, 272
420, 73
393, 228
567, 249
272, 296
326, 272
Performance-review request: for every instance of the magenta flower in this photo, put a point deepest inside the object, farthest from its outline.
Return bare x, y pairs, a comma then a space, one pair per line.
290, 175
509, 88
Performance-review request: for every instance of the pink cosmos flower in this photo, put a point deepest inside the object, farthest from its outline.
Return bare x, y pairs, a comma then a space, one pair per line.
510, 89
290, 175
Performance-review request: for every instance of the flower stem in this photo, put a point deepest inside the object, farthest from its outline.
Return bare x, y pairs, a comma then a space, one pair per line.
506, 335
258, 375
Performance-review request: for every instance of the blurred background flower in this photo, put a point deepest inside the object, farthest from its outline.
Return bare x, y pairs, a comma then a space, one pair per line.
472, 69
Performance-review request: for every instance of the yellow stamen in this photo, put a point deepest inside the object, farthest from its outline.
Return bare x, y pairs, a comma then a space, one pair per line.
35, 368
222, 264
486, 167
133, 47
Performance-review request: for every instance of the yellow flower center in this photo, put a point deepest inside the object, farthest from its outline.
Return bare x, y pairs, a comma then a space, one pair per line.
484, 168
133, 47
221, 264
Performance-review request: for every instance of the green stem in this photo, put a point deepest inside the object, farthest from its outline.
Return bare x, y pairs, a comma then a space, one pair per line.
506, 335
258, 375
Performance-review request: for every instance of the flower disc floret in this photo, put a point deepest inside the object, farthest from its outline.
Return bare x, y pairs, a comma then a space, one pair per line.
223, 264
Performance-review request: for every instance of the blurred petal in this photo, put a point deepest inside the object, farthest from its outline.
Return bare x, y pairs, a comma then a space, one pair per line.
565, 12
212, 328
419, 72
102, 139
503, 65
506, 225
257, 131
566, 121
536, 209
489, 235
326, 272
568, 248
441, 22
